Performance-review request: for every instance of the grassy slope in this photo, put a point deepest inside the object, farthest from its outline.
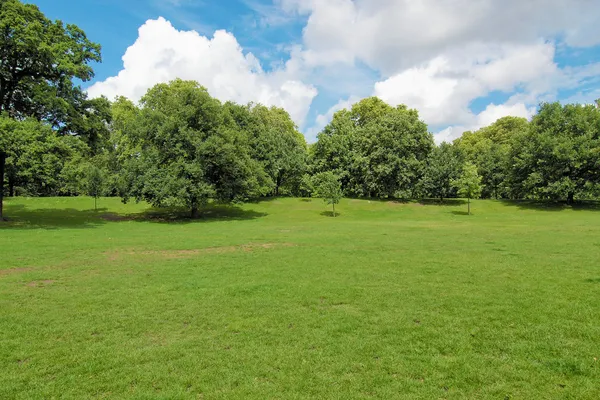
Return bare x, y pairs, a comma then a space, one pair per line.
275, 300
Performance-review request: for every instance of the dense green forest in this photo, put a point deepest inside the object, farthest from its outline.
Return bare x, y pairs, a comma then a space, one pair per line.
181, 147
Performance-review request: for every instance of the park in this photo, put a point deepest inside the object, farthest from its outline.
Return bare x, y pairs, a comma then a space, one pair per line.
191, 239
277, 299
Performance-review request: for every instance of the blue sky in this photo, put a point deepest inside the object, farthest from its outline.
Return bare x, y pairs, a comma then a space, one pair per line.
461, 63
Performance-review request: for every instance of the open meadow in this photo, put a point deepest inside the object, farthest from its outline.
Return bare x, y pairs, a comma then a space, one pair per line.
277, 299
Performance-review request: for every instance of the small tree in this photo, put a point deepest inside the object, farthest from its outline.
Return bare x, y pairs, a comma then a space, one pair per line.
93, 183
469, 184
328, 187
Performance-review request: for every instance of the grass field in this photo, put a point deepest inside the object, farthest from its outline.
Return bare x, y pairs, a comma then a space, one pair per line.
277, 300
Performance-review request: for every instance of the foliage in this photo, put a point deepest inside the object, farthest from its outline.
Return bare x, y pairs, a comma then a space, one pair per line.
328, 187
559, 157
489, 149
183, 151
36, 157
443, 168
377, 150
275, 143
94, 183
469, 184
40, 61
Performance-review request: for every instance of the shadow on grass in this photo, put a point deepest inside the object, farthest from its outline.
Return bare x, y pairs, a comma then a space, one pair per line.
330, 214
596, 280
19, 217
461, 213
552, 205
445, 202
306, 200
209, 214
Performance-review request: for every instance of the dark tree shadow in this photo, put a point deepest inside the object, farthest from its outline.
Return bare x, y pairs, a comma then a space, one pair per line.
460, 213
213, 213
330, 214
445, 202
20, 217
596, 280
540, 205
305, 200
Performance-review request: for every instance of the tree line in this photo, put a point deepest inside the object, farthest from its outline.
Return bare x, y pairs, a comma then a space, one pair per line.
180, 147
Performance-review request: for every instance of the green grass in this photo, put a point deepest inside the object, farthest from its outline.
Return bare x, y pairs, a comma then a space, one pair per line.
277, 300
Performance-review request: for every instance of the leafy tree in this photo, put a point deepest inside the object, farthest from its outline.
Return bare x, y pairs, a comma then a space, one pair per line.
36, 156
327, 186
489, 148
558, 157
334, 150
469, 184
39, 62
275, 142
94, 183
307, 186
442, 169
377, 150
180, 149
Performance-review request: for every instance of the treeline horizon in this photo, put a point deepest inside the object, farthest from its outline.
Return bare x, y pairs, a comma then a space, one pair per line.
180, 147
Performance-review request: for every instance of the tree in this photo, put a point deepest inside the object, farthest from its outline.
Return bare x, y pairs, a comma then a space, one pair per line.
275, 142
327, 186
377, 150
36, 156
94, 183
469, 184
39, 61
443, 168
489, 148
558, 157
181, 150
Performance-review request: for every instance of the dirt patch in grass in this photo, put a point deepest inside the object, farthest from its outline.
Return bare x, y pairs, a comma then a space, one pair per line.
43, 283
13, 271
178, 254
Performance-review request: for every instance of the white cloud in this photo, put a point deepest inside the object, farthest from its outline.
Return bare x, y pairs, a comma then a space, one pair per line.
161, 53
443, 89
392, 35
438, 56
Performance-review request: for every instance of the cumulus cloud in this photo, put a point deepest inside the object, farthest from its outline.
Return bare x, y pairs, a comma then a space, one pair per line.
443, 89
438, 56
391, 35
162, 53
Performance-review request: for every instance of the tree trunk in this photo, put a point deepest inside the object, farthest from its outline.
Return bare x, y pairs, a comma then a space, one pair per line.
571, 198
195, 213
469, 205
334, 210
95, 203
2, 163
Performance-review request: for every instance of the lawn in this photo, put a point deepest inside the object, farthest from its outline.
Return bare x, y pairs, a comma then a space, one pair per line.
279, 300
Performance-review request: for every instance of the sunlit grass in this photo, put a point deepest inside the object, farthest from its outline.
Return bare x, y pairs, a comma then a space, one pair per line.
277, 300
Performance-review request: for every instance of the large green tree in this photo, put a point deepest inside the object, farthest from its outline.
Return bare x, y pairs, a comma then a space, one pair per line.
275, 143
489, 149
558, 158
377, 150
40, 60
443, 168
183, 150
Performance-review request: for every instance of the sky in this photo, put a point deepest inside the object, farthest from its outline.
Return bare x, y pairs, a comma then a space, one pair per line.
461, 63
